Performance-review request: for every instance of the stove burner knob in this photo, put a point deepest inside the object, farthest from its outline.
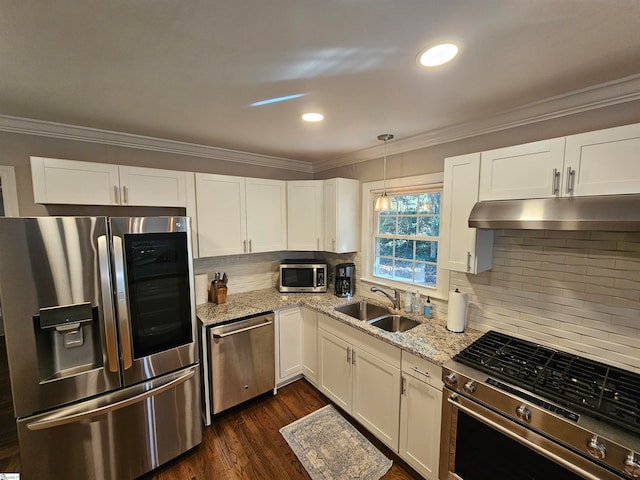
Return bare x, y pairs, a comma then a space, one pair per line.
451, 379
596, 448
523, 413
632, 465
469, 387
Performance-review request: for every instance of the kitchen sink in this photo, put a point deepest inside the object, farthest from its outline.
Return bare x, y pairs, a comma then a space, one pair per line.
363, 310
394, 323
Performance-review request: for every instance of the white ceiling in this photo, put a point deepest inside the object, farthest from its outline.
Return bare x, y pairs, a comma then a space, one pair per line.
188, 70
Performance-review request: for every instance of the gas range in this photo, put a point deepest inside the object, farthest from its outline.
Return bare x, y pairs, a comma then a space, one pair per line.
585, 406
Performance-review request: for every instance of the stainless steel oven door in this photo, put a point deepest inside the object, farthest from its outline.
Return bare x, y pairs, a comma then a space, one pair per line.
155, 303
480, 444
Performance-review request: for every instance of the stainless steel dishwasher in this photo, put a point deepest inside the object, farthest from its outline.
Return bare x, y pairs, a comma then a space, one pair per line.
242, 361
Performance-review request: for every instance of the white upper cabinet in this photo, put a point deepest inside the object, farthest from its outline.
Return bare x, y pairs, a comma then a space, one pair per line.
86, 183
532, 170
266, 215
341, 215
152, 187
462, 248
70, 181
305, 214
239, 215
222, 228
605, 162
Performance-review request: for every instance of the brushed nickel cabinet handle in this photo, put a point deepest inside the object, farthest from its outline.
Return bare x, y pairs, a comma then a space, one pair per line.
555, 187
570, 179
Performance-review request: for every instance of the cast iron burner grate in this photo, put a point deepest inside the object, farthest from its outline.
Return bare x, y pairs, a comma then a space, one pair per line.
608, 393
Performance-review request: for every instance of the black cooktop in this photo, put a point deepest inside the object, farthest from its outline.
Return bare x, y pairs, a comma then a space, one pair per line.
608, 393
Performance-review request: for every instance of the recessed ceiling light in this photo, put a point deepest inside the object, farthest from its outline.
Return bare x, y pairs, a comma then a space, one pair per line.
438, 55
312, 117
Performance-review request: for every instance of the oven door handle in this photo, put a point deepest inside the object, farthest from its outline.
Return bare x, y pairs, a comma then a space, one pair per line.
455, 401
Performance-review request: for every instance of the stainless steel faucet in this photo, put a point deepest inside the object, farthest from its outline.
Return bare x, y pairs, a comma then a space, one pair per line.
395, 300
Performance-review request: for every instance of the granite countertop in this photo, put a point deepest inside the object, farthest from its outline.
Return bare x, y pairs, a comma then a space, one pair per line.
431, 340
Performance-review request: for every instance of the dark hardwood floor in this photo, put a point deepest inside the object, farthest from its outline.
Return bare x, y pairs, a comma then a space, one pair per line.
242, 443
245, 443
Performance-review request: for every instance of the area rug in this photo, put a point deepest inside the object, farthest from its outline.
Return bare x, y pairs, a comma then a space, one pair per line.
330, 448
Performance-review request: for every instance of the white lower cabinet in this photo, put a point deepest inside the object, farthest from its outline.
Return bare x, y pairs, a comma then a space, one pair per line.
420, 415
310, 344
361, 374
288, 345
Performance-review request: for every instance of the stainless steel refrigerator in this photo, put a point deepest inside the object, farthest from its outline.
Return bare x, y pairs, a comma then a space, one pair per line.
99, 318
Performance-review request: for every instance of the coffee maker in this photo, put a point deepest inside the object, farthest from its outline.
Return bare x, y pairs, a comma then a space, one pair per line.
345, 279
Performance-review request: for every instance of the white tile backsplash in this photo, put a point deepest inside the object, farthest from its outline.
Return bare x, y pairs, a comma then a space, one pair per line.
577, 291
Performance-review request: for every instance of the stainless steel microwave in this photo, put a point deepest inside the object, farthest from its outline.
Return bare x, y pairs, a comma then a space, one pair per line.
303, 275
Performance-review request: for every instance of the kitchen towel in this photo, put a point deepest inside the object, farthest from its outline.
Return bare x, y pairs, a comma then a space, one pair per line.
202, 287
457, 317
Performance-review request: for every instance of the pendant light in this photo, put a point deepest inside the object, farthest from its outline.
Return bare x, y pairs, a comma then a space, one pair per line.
383, 203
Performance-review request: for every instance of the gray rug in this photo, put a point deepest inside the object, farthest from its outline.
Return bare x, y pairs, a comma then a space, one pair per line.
330, 448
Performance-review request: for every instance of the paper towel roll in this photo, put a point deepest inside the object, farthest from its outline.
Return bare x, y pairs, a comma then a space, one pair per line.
457, 317
202, 288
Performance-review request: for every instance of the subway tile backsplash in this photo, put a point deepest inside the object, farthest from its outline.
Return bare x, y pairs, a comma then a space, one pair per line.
577, 291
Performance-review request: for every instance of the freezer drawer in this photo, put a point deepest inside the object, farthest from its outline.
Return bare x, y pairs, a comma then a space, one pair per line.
242, 360
117, 436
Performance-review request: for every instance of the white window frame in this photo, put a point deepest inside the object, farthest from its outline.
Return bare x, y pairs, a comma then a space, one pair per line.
370, 191
9, 191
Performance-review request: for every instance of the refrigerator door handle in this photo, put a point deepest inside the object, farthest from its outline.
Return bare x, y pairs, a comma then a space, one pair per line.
60, 418
107, 304
121, 302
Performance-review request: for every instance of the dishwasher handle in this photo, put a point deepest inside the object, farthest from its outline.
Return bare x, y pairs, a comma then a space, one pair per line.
214, 334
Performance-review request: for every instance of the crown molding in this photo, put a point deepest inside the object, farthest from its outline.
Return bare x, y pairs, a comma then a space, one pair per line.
94, 135
598, 96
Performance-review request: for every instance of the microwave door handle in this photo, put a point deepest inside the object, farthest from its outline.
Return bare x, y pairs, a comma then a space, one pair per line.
122, 301
107, 304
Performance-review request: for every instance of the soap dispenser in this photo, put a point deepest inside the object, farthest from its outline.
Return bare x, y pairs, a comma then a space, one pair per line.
408, 301
417, 303
426, 309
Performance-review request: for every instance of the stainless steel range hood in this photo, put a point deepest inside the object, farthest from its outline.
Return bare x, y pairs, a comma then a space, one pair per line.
604, 213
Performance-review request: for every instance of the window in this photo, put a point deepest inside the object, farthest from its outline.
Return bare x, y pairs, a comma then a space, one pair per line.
8, 193
406, 238
401, 249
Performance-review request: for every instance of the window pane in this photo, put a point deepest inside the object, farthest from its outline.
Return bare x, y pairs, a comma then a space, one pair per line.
429, 226
403, 270
387, 225
429, 203
426, 274
384, 267
404, 249
407, 225
384, 247
427, 251
407, 203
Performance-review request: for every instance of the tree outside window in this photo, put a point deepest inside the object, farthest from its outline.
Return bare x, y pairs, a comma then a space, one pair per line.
406, 238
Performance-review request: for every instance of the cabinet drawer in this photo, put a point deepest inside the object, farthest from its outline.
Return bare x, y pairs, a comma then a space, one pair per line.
422, 369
